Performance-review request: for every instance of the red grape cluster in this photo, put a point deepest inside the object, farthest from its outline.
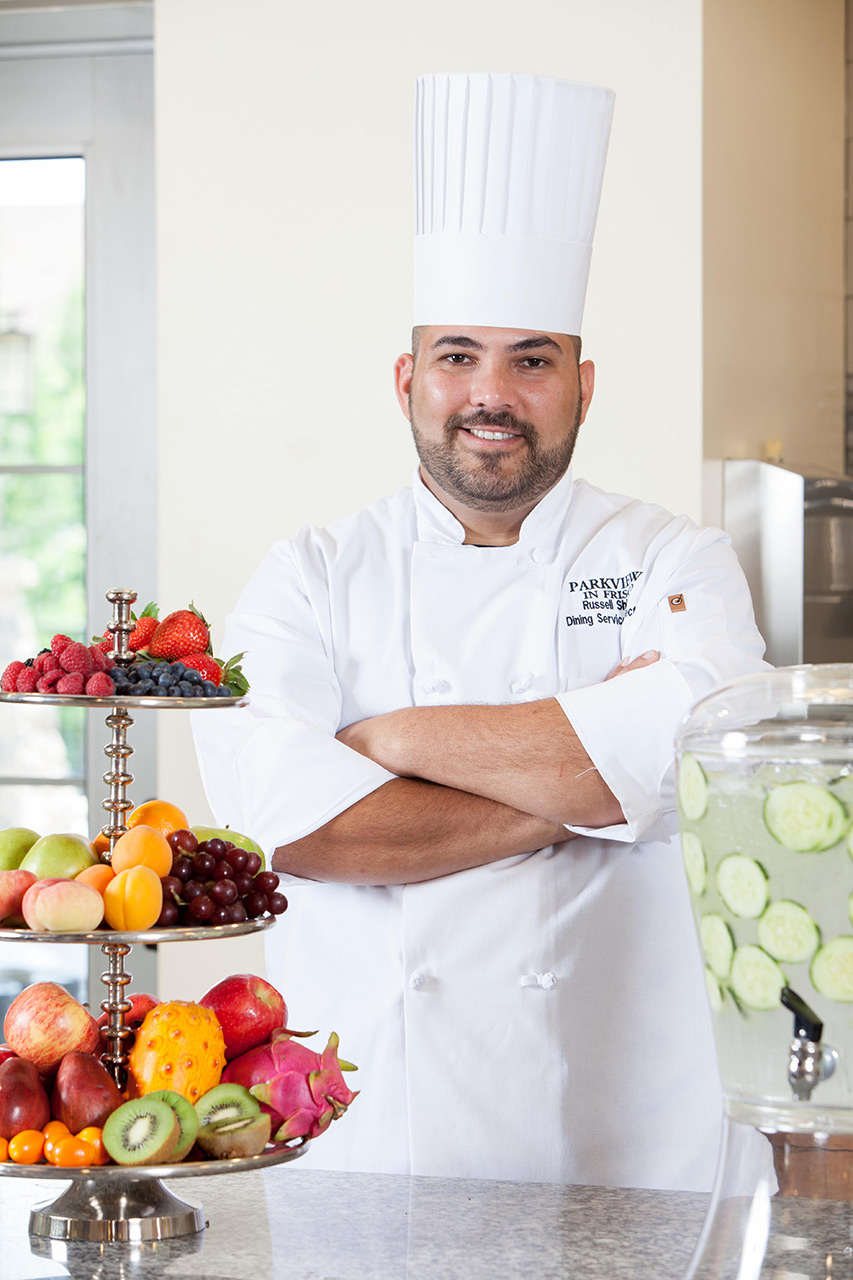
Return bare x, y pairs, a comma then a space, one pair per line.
216, 882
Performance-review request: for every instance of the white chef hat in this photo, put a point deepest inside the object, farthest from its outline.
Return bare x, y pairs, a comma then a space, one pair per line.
508, 174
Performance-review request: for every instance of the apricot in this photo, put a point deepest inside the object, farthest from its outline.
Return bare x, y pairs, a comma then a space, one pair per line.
100, 844
98, 877
142, 846
133, 899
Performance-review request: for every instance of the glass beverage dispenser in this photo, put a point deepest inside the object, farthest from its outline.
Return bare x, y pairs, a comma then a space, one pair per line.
765, 799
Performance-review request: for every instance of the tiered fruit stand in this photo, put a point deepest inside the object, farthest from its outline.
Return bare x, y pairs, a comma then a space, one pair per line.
116, 1202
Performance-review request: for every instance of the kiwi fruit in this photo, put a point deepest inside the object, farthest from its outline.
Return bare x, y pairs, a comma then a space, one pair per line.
232, 1138
187, 1119
142, 1131
226, 1102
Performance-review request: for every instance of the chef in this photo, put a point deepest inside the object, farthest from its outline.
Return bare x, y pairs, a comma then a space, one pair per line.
460, 736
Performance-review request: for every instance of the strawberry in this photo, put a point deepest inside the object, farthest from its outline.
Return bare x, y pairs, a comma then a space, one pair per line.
184, 631
104, 645
76, 657
9, 682
72, 682
146, 625
100, 685
203, 662
58, 643
28, 679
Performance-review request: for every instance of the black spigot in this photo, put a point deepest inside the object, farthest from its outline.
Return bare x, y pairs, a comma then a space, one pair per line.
807, 1025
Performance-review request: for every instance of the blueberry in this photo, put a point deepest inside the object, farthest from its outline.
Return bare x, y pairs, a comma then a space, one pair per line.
186, 689
144, 671
225, 691
130, 674
178, 669
165, 677
142, 687
170, 690
208, 688
192, 676
124, 686
116, 674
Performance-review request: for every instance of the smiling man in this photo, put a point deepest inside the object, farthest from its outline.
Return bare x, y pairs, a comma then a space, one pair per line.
464, 697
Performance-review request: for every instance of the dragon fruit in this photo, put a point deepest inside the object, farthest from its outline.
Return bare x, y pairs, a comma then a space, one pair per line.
302, 1089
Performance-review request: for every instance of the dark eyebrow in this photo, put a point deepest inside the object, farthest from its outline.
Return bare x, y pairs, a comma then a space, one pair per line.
457, 340
529, 344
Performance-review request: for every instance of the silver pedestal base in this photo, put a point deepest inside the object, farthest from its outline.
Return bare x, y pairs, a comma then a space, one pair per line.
130, 1210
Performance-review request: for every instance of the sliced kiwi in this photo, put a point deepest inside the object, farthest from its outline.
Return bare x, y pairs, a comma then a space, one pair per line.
226, 1102
232, 1138
142, 1131
187, 1119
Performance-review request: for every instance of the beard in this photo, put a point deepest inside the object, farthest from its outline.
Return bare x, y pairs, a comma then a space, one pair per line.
494, 481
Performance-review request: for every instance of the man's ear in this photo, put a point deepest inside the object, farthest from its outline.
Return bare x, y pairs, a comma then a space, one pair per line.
586, 373
403, 380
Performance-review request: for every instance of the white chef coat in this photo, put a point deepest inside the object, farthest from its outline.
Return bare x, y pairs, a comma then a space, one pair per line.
542, 1017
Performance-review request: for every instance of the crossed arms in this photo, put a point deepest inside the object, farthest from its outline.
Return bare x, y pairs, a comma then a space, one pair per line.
474, 784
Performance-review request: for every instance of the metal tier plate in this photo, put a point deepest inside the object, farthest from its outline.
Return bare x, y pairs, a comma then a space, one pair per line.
122, 700
174, 933
107, 1174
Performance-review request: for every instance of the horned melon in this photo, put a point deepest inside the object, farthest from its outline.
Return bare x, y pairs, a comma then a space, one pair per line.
179, 1046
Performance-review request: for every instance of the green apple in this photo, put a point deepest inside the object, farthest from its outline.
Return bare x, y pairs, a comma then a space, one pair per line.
63, 856
225, 833
15, 842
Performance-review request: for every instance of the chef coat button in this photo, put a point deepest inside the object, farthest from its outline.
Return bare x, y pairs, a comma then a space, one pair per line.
547, 981
436, 685
523, 683
418, 980
540, 555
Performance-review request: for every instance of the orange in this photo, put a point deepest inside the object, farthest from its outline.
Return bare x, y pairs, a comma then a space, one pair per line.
100, 844
159, 814
95, 1137
74, 1153
27, 1147
98, 876
142, 846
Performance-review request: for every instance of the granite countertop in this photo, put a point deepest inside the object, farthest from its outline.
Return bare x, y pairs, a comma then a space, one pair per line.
290, 1224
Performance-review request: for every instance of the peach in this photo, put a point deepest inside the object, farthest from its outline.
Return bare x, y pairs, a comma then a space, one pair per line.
133, 899
62, 906
13, 886
142, 846
98, 877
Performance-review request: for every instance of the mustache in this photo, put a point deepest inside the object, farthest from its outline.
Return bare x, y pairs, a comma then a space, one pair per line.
502, 420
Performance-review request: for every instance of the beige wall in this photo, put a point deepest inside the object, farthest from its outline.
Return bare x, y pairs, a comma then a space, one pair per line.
773, 229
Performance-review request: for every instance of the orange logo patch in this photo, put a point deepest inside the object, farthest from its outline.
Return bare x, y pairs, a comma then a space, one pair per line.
677, 604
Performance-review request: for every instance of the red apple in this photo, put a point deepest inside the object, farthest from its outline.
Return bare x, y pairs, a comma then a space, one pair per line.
139, 1006
45, 1022
249, 1009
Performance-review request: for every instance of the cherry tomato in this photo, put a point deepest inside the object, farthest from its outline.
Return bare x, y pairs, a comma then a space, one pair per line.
27, 1147
95, 1137
74, 1153
54, 1131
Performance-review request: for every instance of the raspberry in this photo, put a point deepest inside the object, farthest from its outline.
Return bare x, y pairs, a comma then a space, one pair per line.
71, 683
58, 643
9, 682
76, 658
100, 685
100, 661
28, 679
46, 661
50, 680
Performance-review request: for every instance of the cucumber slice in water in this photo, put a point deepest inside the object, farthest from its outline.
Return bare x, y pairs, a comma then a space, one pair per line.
694, 862
692, 788
804, 817
717, 943
742, 885
787, 932
832, 970
715, 994
756, 979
